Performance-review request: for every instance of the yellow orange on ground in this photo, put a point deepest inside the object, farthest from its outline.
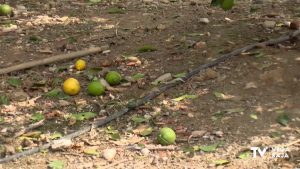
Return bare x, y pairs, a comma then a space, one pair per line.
80, 64
71, 86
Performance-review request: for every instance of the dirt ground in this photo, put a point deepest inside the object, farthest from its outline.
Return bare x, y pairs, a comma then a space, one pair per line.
252, 100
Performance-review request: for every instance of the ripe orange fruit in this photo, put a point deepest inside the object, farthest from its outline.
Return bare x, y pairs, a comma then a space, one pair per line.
71, 86
80, 64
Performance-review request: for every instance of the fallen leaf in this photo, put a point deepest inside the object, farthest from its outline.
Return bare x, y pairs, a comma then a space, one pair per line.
83, 116
251, 85
197, 133
209, 148
91, 151
244, 155
63, 103
46, 51
132, 58
29, 103
16, 82
9, 28
189, 149
253, 116
276, 134
180, 75
146, 132
129, 141
4, 100
53, 114
114, 134
195, 34
219, 114
221, 162
235, 110
55, 135
57, 164
283, 119
139, 119
37, 117
200, 45
223, 96
95, 1
186, 96
57, 93
131, 64
138, 76
32, 134
9, 108
181, 129
163, 78
2, 120
107, 26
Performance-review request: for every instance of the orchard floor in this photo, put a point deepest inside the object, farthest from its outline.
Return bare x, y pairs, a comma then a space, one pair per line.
239, 104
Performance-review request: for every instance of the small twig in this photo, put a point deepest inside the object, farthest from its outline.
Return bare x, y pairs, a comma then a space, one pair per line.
154, 93
71, 154
162, 148
292, 143
151, 147
110, 88
115, 163
30, 127
117, 25
114, 89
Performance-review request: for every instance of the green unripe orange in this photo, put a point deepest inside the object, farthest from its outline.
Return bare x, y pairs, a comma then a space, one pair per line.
113, 78
95, 88
166, 136
227, 4
5, 10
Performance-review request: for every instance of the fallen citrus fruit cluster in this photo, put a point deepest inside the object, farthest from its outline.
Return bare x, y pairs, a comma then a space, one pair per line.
71, 86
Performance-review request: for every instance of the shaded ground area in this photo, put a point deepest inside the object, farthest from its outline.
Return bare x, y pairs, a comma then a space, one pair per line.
251, 100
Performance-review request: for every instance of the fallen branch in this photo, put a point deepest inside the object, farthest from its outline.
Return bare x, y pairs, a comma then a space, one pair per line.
52, 59
292, 143
154, 93
30, 127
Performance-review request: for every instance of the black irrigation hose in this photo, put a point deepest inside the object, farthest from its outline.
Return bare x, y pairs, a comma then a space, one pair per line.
154, 93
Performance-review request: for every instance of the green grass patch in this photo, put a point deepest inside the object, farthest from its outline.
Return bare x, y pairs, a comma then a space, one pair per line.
116, 10
147, 48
